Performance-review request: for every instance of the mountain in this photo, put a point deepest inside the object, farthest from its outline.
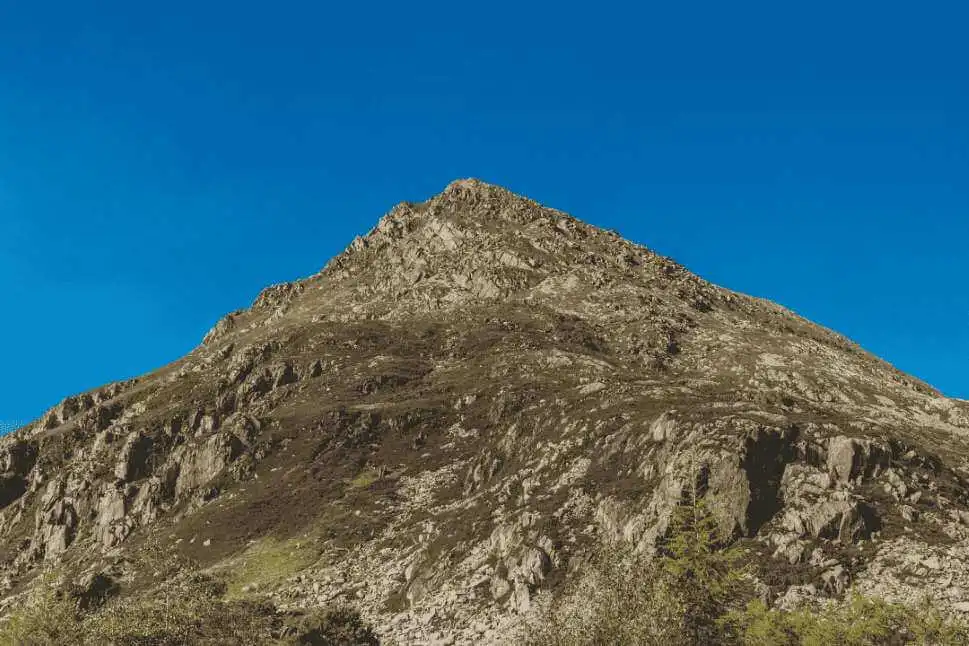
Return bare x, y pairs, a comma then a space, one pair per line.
438, 424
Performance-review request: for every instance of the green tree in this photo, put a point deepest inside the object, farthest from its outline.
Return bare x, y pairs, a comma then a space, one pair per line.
704, 569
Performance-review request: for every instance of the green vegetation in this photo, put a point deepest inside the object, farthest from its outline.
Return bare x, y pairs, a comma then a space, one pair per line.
696, 592
860, 620
366, 478
267, 562
190, 608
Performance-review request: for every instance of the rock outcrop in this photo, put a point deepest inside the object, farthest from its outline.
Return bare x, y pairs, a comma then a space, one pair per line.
445, 419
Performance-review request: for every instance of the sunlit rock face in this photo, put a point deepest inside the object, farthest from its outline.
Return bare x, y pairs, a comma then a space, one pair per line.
470, 397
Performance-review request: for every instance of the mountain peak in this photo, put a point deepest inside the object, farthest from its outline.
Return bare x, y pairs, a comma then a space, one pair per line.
468, 212
473, 186
476, 239
468, 184
476, 394
472, 191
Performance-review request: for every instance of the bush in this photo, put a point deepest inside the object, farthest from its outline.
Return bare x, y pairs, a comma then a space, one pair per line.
48, 618
188, 610
858, 622
695, 592
334, 627
679, 598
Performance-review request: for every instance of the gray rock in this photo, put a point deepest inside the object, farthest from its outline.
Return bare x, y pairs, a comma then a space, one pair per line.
526, 386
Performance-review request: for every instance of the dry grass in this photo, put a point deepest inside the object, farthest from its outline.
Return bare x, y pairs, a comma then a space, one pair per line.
189, 608
266, 563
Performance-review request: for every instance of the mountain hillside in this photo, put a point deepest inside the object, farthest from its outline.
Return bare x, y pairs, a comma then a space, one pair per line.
440, 423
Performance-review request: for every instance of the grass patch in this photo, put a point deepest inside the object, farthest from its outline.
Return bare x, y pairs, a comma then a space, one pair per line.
190, 608
365, 478
267, 563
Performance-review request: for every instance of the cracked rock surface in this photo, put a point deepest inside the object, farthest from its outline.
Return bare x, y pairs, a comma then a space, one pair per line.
442, 421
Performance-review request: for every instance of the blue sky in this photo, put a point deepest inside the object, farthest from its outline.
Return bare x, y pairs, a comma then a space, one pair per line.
157, 169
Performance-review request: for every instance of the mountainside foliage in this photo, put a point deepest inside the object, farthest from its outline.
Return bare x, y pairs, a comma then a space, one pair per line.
189, 608
442, 422
698, 592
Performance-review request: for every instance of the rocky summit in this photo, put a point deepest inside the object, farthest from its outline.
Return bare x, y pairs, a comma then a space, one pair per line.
436, 426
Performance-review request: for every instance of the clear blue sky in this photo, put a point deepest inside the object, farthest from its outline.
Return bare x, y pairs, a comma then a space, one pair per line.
158, 167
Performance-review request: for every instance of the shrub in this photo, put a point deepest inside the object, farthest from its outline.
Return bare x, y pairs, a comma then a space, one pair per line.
860, 621
621, 598
190, 609
695, 592
341, 626
49, 617
679, 598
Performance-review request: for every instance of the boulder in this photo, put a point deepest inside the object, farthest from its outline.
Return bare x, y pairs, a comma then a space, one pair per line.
199, 464
91, 591
16, 460
844, 520
851, 459
535, 565
133, 459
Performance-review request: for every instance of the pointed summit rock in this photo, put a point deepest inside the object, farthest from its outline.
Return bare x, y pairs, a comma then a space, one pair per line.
473, 393
476, 242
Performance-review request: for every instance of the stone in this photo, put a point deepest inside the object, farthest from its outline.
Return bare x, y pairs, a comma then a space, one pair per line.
851, 458
845, 520
663, 428
528, 389
836, 580
535, 564
16, 460
133, 459
521, 598
200, 464
909, 513
500, 588
93, 590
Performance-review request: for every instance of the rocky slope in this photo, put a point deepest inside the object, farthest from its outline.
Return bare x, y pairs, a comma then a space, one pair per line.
439, 422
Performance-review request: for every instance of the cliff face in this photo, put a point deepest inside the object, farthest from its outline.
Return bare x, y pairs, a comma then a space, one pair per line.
474, 393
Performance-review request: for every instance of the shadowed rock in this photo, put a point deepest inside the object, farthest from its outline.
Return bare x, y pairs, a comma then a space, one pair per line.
447, 419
